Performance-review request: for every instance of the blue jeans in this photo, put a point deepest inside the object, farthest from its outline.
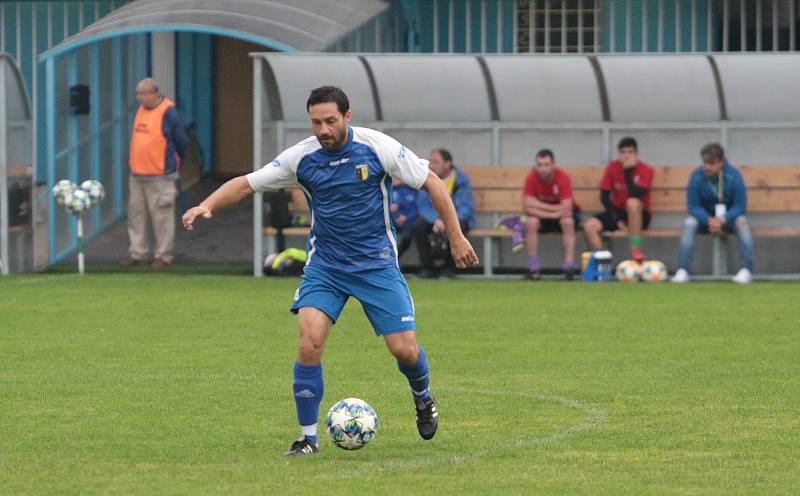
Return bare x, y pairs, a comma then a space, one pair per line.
692, 226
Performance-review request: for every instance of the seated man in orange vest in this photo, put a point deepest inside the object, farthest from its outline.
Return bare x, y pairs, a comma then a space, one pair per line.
157, 146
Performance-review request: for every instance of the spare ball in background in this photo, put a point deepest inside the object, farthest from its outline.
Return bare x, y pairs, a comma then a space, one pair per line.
78, 201
628, 271
654, 271
95, 190
62, 189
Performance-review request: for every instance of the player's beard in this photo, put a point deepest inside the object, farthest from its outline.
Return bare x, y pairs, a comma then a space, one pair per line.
333, 141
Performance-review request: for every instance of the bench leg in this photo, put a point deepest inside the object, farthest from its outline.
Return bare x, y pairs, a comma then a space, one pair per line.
488, 259
719, 256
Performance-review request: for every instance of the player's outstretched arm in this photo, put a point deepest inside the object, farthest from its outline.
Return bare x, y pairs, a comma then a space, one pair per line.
463, 253
228, 194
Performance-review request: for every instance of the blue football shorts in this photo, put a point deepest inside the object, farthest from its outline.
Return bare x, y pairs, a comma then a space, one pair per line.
383, 294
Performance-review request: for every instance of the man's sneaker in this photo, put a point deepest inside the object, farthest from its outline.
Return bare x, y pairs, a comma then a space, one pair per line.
301, 447
533, 275
427, 274
637, 254
680, 276
427, 417
569, 273
743, 277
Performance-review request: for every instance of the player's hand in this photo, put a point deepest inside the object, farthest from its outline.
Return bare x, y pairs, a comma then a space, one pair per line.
438, 226
462, 251
715, 225
193, 213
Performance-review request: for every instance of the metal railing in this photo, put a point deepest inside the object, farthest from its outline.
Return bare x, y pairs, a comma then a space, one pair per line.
581, 26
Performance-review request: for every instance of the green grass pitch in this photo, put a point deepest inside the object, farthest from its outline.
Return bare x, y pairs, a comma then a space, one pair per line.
181, 384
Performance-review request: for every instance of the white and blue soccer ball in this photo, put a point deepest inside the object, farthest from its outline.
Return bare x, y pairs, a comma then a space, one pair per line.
62, 189
628, 271
654, 271
78, 201
95, 190
351, 423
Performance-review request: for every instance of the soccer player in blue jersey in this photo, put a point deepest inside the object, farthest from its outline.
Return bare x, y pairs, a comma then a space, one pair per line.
346, 174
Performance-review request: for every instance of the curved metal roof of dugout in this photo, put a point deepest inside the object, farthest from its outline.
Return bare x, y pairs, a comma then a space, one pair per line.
467, 88
283, 25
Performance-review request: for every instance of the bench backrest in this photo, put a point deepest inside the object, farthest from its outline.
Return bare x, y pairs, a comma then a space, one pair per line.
499, 189
769, 188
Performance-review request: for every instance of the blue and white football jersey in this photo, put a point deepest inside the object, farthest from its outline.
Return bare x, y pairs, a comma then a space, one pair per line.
349, 192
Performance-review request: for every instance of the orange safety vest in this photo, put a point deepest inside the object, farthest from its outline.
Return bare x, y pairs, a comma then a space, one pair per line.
148, 144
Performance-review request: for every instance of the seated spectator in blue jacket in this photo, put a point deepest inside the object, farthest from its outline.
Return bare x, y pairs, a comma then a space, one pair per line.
404, 214
717, 202
429, 230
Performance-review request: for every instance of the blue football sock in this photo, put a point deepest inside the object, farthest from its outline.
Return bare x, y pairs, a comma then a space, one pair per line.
417, 375
308, 390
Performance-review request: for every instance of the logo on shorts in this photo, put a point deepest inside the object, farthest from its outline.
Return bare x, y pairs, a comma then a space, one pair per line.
384, 253
275, 163
362, 171
407, 318
296, 294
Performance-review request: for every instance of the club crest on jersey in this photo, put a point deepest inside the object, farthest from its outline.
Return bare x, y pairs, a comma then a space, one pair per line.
362, 171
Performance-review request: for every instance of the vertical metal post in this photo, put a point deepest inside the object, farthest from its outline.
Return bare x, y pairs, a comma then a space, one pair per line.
72, 124
116, 90
596, 30
693, 6
546, 26
660, 45
793, 19
563, 26
775, 28
758, 25
743, 25
678, 44
532, 26
50, 125
628, 26
94, 119
514, 31
468, 26
726, 20
450, 25
435, 26
644, 26
483, 26
709, 16
258, 212
580, 26
499, 47
612, 27
4, 222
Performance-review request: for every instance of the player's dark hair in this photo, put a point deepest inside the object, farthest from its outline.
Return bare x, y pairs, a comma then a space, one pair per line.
326, 94
445, 154
545, 152
712, 152
627, 142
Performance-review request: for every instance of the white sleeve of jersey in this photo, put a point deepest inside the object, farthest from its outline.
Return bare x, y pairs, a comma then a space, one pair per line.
281, 172
399, 162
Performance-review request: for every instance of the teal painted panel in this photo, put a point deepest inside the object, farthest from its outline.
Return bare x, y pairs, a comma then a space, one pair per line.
424, 28
57, 15
88, 12
670, 34
204, 98
491, 26
459, 27
26, 42
9, 27
73, 13
509, 11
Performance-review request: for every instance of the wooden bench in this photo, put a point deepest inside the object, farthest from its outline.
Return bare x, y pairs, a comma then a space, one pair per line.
498, 192
770, 189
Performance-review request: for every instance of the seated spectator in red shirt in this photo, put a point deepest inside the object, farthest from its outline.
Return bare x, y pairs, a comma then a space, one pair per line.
548, 203
625, 194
